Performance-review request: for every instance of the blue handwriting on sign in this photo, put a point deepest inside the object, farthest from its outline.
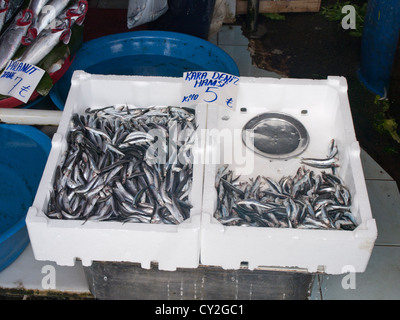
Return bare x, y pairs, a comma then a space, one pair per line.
229, 102
208, 79
20, 79
208, 85
190, 97
18, 66
23, 89
8, 75
211, 91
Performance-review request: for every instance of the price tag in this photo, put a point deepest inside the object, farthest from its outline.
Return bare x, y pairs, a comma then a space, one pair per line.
209, 87
19, 80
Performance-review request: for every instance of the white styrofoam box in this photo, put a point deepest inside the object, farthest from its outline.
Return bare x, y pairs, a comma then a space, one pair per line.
322, 107
64, 241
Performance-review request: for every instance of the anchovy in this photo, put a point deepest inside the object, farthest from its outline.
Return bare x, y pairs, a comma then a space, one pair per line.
332, 149
105, 174
329, 162
320, 163
306, 200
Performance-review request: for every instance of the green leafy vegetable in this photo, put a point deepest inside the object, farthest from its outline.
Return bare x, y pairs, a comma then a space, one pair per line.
274, 16
383, 122
334, 13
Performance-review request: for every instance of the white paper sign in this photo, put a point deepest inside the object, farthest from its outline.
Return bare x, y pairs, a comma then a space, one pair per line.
209, 87
19, 80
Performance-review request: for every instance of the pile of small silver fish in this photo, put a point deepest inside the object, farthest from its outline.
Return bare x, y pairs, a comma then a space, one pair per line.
306, 200
39, 27
114, 168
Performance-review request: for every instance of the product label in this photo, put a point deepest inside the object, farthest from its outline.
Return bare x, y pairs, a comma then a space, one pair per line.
209, 87
19, 80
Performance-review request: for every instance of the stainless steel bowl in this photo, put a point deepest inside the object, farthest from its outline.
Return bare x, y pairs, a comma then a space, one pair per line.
275, 135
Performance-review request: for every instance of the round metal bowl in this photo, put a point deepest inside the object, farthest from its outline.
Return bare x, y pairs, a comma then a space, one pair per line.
275, 135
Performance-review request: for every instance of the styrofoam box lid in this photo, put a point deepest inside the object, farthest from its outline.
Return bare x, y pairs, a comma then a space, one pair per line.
323, 108
64, 241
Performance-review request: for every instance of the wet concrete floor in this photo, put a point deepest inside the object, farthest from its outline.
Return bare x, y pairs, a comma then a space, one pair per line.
307, 45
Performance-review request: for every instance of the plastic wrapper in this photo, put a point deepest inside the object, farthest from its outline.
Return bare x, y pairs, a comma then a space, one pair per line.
144, 11
218, 17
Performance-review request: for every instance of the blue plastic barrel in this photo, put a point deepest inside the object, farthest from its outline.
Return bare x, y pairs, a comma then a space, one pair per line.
189, 17
23, 155
378, 47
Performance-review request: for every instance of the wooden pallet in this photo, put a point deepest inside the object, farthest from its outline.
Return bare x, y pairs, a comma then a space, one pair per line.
128, 281
280, 6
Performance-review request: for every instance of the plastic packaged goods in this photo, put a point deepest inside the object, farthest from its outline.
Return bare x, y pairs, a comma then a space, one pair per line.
144, 11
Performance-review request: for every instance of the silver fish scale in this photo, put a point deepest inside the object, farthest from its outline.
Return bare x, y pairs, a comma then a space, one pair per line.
304, 201
113, 169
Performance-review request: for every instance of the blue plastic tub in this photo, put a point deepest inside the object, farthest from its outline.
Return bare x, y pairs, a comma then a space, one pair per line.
146, 53
379, 41
23, 155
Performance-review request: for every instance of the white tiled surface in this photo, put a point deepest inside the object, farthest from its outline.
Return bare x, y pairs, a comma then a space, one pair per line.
26, 272
379, 281
386, 211
232, 41
382, 277
372, 170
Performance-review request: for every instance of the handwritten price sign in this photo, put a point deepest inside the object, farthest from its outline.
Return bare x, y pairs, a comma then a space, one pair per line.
19, 80
209, 87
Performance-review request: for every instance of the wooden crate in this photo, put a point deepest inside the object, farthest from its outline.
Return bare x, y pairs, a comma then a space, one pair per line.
280, 6
128, 281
